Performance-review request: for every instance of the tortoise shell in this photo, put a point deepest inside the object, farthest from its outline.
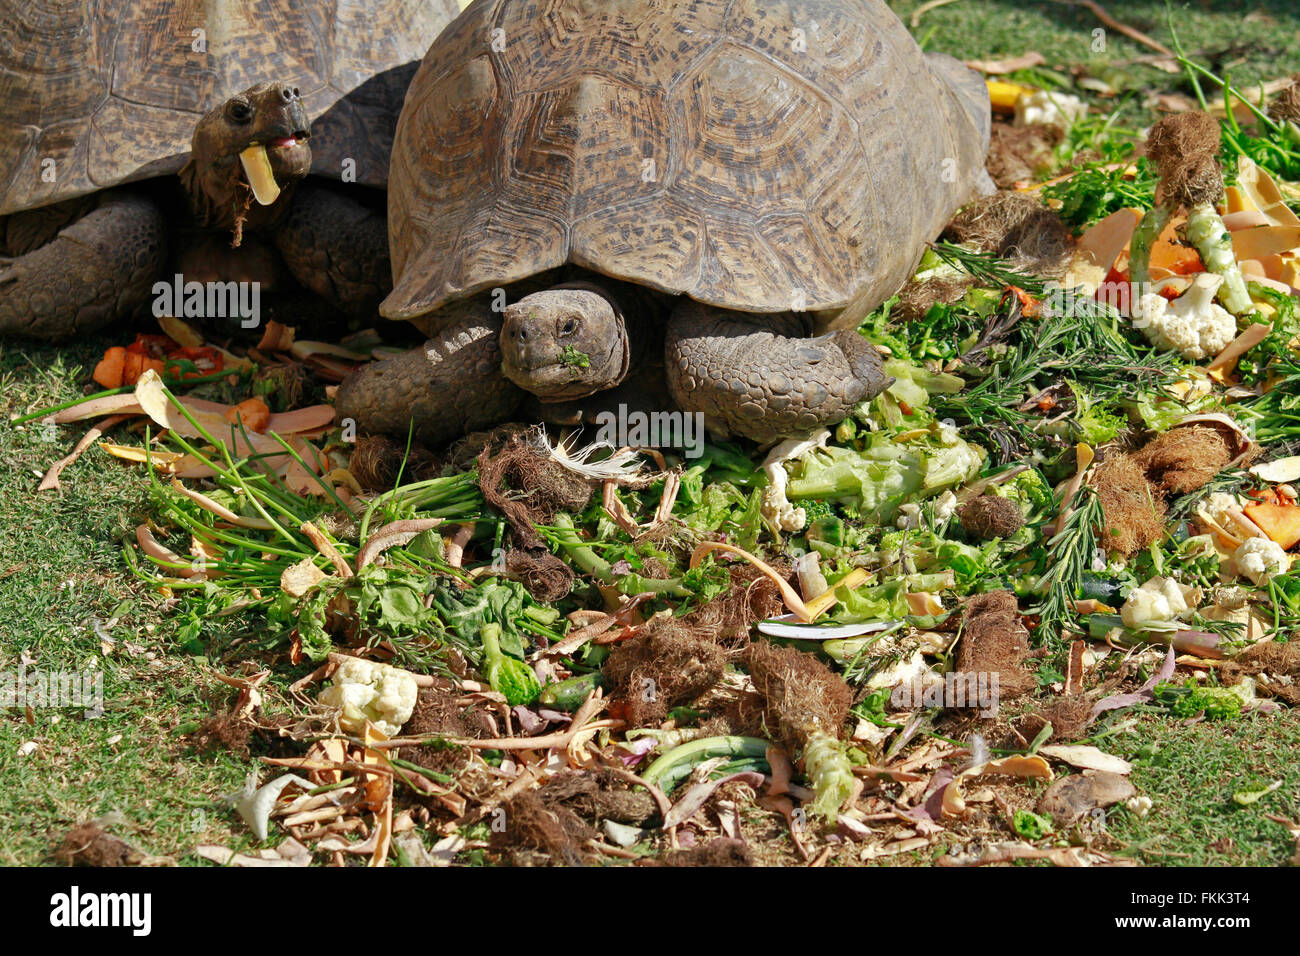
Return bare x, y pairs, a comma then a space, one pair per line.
757, 155
98, 92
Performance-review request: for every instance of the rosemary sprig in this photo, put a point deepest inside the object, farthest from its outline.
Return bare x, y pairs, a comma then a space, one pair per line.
1069, 554
986, 268
1082, 342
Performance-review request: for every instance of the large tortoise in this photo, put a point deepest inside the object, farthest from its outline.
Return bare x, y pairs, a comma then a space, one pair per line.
682, 192
99, 93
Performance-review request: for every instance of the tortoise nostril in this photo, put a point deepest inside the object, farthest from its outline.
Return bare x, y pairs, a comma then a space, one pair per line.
289, 94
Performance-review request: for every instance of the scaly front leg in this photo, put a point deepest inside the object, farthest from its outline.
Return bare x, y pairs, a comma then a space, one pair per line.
750, 381
337, 247
448, 387
99, 268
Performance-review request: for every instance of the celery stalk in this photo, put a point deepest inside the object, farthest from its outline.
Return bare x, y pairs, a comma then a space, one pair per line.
1206, 231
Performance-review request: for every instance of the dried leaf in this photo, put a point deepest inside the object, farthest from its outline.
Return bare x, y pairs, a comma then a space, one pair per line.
300, 578
255, 804
1087, 758
699, 794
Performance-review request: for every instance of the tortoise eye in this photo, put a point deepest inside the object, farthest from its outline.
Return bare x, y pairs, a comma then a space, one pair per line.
239, 111
569, 327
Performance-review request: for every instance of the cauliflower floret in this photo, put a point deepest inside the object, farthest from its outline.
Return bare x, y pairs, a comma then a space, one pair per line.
1139, 806
364, 690
1259, 559
909, 516
1158, 601
775, 506
945, 506
1217, 503
1045, 108
906, 671
1193, 325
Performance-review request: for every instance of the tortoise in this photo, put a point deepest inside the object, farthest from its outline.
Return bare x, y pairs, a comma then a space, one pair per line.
123, 130
659, 205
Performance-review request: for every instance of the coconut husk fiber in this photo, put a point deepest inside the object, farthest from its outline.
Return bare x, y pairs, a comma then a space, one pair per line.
1185, 148
1184, 459
88, 844
529, 487
1069, 717
1134, 487
1275, 667
799, 694
436, 712
988, 516
533, 824
1016, 228
727, 619
721, 851
1134, 512
664, 666
599, 795
994, 640
1285, 107
917, 298
376, 463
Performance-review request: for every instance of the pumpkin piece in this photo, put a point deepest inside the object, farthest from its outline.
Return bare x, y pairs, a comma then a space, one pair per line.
256, 416
1280, 522
108, 372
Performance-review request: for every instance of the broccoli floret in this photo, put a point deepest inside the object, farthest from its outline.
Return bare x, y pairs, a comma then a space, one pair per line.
1030, 490
826, 531
508, 676
818, 508
1097, 424
1188, 700
892, 540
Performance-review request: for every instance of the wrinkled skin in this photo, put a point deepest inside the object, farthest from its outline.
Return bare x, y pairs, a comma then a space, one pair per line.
581, 349
565, 343
75, 266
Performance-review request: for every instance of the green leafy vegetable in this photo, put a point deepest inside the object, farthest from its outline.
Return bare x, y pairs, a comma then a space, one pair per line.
510, 677
1095, 191
872, 482
1030, 825
1188, 700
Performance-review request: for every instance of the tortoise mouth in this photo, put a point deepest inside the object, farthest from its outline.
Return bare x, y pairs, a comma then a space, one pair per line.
264, 165
552, 378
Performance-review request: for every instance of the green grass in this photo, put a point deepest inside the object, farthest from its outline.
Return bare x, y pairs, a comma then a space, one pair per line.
1254, 40
61, 567
61, 574
1191, 773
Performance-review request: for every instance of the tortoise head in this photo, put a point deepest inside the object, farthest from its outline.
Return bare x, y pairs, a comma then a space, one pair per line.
564, 343
252, 146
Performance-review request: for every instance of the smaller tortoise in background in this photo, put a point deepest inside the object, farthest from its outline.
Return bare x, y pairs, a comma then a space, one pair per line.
102, 102
688, 202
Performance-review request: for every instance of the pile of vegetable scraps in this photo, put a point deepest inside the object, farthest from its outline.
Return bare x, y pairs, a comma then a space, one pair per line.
1076, 504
